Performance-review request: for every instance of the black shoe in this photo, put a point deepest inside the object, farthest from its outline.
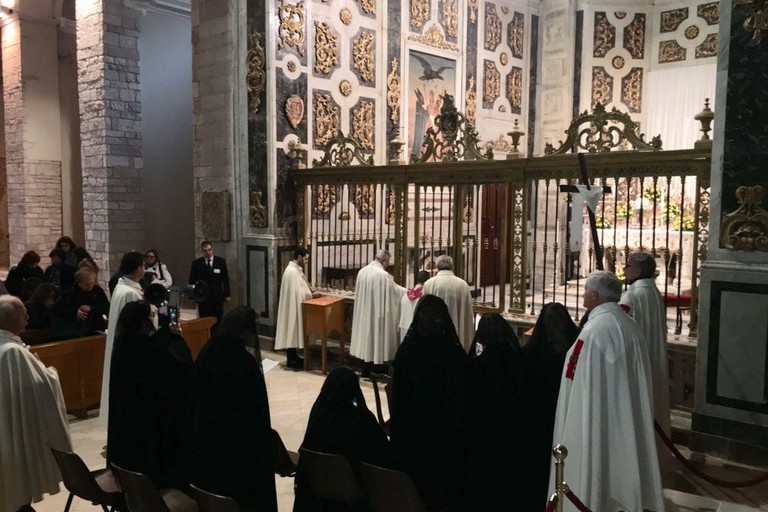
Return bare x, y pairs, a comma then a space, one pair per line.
293, 359
367, 370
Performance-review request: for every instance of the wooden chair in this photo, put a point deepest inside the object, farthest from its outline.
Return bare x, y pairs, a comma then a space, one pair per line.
386, 380
141, 495
330, 477
387, 490
100, 487
209, 502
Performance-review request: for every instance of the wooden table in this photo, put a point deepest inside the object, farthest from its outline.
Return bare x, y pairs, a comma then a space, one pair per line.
323, 315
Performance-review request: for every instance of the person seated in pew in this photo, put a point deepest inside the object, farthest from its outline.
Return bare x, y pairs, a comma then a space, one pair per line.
543, 360
80, 311
59, 272
149, 395
341, 424
231, 431
39, 306
494, 417
28, 269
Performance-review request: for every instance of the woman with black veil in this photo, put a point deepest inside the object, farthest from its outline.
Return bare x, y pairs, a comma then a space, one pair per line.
544, 356
151, 382
341, 423
496, 382
231, 427
428, 410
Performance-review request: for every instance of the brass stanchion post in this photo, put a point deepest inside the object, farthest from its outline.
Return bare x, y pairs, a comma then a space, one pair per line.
560, 452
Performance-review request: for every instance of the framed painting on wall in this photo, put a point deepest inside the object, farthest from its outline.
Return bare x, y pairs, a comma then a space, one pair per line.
429, 78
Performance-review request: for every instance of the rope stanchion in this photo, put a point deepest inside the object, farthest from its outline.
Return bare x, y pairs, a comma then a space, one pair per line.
696, 471
576, 501
552, 503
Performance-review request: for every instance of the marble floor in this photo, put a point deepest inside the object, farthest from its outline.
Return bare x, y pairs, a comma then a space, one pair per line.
291, 396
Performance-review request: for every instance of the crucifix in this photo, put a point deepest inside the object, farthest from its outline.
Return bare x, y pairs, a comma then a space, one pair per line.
585, 193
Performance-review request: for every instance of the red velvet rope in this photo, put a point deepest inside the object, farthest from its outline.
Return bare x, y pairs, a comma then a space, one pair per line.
551, 504
763, 477
576, 501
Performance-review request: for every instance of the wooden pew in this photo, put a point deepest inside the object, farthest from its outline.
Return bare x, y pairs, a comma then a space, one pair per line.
80, 362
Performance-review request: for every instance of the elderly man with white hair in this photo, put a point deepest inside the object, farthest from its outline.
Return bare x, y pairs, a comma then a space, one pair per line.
33, 417
643, 302
605, 410
457, 296
376, 314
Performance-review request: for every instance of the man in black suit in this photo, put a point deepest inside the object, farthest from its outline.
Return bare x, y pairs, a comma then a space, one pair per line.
213, 270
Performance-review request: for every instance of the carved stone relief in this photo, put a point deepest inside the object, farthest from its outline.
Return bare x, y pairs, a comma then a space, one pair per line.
394, 92
449, 14
671, 20
602, 86
256, 77
363, 55
605, 35
327, 116
326, 48
516, 34
491, 83
368, 6
291, 29
709, 12
708, 47
470, 98
294, 110
632, 90
671, 51
634, 37
420, 13
434, 37
515, 89
492, 28
363, 124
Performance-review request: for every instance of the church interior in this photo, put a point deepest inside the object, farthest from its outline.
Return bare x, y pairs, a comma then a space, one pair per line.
425, 128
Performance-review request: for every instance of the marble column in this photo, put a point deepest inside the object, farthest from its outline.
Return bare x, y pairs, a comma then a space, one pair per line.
730, 415
32, 133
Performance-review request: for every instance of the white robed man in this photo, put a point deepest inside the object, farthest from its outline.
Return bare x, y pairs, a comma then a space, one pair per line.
605, 411
376, 314
409, 302
294, 290
127, 290
457, 296
33, 417
643, 302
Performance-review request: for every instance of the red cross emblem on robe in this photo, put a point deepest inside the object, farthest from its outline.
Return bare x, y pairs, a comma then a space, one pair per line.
574, 359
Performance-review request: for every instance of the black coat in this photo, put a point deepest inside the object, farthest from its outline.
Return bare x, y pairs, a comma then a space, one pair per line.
66, 278
231, 429
21, 281
216, 277
64, 319
428, 423
149, 395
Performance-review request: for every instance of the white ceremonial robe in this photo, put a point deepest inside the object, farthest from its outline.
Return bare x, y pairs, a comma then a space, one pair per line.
457, 296
643, 302
376, 315
32, 416
605, 417
294, 290
408, 307
126, 291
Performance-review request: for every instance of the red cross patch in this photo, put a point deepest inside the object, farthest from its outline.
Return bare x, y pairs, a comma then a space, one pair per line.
574, 359
625, 307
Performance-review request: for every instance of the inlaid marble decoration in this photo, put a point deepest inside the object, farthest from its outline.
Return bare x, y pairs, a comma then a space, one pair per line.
515, 90
492, 28
364, 56
692, 32
604, 37
326, 48
448, 16
491, 83
634, 37
671, 51
516, 34
632, 90
420, 14
327, 118
362, 123
618, 62
602, 86
708, 47
709, 12
671, 20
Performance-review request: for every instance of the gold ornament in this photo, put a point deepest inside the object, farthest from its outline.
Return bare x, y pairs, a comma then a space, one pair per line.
671, 51
419, 12
492, 28
325, 199
692, 32
363, 58
256, 76
450, 13
472, 5
362, 124
326, 48
602, 87
516, 35
327, 119
291, 66
345, 88
746, 229
708, 47
291, 29
604, 37
671, 20
491, 84
294, 110
515, 89
634, 37
393, 92
257, 212
369, 6
434, 37
471, 101
632, 90
503, 58
345, 15
709, 12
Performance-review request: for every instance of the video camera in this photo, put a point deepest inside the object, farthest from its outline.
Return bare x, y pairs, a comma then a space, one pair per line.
168, 300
